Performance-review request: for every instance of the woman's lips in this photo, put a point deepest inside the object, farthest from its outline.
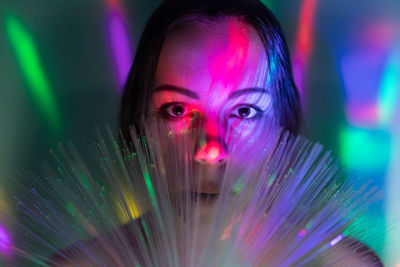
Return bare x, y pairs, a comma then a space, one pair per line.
205, 197
209, 188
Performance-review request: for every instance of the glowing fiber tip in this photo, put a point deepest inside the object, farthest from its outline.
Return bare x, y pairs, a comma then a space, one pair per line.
336, 240
302, 233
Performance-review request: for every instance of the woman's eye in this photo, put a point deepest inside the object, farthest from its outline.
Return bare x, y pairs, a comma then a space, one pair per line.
246, 112
175, 110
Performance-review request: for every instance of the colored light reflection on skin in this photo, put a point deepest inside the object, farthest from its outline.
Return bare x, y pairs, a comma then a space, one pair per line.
5, 241
304, 43
211, 152
32, 71
389, 91
364, 149
230, 64
119, 41
227, 69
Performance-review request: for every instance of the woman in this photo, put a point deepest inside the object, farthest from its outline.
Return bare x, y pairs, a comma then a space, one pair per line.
225, 61
247, 69
222, 66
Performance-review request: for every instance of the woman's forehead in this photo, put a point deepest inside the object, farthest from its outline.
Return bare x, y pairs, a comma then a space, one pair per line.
208, 57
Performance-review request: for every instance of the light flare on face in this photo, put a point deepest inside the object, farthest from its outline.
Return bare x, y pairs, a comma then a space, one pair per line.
212, 125
212, 152
213, 71
228, 66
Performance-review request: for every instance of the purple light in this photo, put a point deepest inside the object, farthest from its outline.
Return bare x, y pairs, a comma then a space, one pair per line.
336, 240
362, 68
5, 241
361, 89
120, 45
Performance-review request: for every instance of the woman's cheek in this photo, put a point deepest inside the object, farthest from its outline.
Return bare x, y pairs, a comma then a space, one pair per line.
179, 126
251, 137
240, 128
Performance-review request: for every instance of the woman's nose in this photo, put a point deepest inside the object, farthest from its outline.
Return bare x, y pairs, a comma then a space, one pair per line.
212, 152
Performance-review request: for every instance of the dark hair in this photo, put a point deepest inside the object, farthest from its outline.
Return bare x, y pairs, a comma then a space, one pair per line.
137, 91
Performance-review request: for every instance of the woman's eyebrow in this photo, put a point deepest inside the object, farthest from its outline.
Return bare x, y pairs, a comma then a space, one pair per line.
247, 91
180, 90
194, 95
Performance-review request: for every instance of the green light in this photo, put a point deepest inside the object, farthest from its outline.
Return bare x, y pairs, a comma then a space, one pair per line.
270, 4
70, 208
150, 188
32, 71
364, 149
389, 89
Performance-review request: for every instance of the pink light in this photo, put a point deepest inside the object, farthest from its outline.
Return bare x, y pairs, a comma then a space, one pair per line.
365, 115
114, 4
119, 41
211, 153
379, 36
302, 232
228, 66
304, 42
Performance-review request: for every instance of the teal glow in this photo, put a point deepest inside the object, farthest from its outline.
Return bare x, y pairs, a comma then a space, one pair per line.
374, 228
32, 71
389, 91
364, 149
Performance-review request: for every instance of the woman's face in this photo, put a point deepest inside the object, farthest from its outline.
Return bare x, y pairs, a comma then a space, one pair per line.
216, 73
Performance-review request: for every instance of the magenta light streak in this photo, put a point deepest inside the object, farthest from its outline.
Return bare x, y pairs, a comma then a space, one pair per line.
120, 46
5, 241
